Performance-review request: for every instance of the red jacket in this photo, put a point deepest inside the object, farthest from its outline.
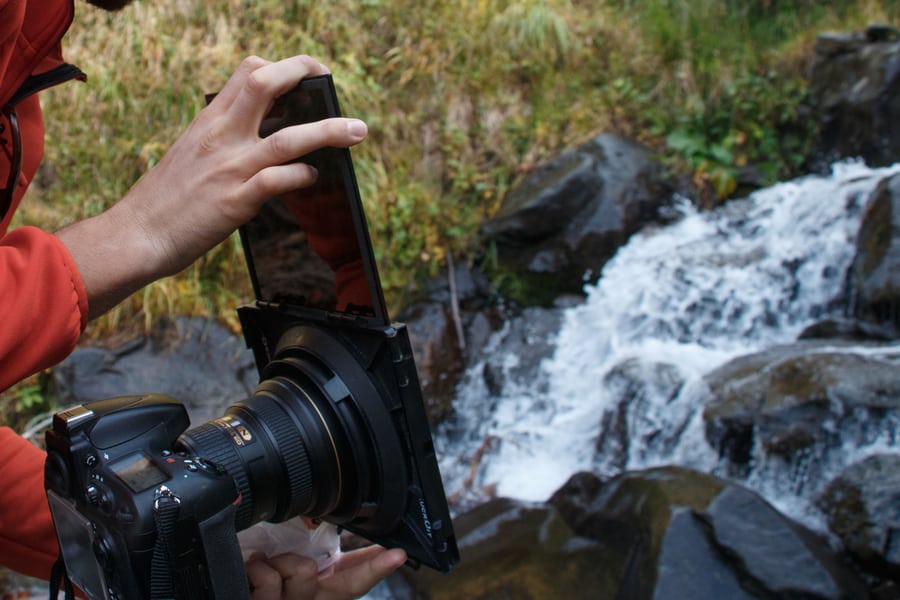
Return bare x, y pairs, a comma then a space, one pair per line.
42, 298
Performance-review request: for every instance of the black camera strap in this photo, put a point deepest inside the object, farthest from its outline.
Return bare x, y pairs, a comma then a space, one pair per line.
162, 584
59, 576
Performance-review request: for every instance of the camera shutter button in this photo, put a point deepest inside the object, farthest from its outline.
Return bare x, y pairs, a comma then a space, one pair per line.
93, 494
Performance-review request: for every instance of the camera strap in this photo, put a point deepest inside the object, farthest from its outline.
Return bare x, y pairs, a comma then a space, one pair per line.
59, 576
162, 584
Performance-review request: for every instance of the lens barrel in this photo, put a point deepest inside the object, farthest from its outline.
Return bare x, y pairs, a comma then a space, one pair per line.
306, 444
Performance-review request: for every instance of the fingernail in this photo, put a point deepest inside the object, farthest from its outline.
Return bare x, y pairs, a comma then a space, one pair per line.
357, 128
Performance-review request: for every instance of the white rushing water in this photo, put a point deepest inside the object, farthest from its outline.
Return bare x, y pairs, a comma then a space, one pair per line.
694, 294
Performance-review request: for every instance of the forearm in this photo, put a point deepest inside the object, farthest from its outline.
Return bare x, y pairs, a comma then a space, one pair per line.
113, 257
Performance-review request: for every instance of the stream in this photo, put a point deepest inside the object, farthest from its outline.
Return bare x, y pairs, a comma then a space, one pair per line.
710, 287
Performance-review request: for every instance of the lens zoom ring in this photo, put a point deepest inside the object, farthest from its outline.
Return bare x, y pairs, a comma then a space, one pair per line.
291, 448
219, 448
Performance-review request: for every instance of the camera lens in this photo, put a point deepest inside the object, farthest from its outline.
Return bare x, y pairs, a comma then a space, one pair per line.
314, 439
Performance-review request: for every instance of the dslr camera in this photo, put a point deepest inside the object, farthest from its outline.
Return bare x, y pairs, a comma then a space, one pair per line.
336, 431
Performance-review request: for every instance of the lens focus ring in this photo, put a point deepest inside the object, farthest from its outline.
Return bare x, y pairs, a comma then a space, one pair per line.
291, 447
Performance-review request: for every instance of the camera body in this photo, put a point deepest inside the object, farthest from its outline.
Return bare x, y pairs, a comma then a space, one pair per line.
119, 495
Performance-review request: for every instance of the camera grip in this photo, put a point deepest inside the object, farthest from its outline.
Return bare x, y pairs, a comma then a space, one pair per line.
225, 567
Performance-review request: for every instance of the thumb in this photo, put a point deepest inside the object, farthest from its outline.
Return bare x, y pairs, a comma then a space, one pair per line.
359, 571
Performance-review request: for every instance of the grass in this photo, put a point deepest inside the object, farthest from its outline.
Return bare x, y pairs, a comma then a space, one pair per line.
462, 99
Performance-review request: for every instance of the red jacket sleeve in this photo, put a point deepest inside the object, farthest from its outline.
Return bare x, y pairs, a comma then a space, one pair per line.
27, 537
43, 303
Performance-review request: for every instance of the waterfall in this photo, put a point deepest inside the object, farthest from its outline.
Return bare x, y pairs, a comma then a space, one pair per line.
693, 294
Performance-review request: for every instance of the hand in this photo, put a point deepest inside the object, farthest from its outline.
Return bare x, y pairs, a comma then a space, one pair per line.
215, 177
290, 576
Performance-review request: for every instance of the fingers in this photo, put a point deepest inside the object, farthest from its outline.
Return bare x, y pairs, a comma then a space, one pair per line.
280, 577
213, 179
273, 177
298, 575
262, 85
277, 180
354, 558
247, 97
358, 571
291, 576
233, 86
291, 142
265, 581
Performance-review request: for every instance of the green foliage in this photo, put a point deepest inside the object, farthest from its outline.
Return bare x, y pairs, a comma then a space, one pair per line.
462, 99
733, 81
29, 397
753, 122
26, 400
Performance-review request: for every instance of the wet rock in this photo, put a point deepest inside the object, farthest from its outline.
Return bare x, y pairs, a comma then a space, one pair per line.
557, 229
470, 287
862, 506
779, 556
737, 392
193, 360
875, 272
690, 535
849, 330
438, 356
854, 93
632, 385
517, 550
517, 351
801, 399
448, 329
690, 567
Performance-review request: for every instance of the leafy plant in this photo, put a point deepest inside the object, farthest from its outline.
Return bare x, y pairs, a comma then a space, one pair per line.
755, 121
26, 400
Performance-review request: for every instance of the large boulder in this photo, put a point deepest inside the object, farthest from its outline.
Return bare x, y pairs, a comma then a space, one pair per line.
661, 534
691, 535
556, 230
807, 398
854, 92
194, 360
511, 549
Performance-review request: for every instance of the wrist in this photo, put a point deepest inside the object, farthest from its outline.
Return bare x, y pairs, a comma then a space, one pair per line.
114, 257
